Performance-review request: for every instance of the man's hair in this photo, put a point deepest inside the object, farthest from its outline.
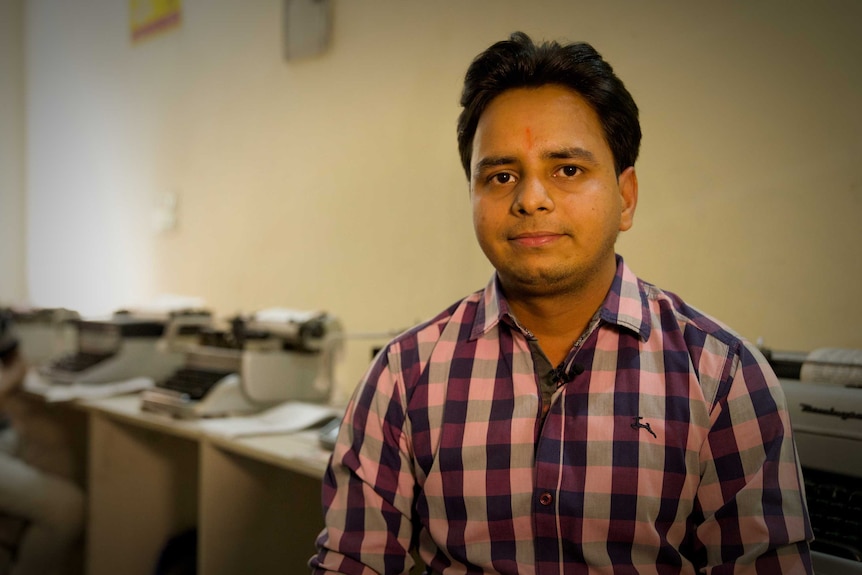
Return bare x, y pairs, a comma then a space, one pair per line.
519, 63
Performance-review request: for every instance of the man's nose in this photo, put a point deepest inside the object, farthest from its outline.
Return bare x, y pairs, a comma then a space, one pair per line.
531, 196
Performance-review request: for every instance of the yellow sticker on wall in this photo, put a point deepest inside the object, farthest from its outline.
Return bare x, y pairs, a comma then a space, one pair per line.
150, 17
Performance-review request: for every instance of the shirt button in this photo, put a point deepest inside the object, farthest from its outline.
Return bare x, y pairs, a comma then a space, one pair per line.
546, 498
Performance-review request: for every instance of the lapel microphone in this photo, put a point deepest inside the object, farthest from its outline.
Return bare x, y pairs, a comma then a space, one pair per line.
560, 376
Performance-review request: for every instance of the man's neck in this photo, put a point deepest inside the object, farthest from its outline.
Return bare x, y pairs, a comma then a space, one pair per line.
558, 319
556, 323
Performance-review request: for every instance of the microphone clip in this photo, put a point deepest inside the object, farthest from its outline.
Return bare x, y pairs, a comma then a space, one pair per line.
559, 375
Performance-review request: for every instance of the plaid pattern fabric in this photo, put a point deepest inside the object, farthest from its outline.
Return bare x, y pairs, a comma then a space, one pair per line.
670, 453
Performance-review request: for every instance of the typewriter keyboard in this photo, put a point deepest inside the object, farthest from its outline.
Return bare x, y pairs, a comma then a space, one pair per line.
193, 382
835, 507
78, 362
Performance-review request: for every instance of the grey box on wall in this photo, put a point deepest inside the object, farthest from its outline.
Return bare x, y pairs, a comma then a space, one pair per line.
307, 28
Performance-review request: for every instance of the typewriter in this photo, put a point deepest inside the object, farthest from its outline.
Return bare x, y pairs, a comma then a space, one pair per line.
205, 385
258, 361
44, 333
123, 346
824, 395
297, 362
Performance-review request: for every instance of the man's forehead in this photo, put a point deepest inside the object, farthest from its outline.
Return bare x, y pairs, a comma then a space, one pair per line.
532, 111
550, 121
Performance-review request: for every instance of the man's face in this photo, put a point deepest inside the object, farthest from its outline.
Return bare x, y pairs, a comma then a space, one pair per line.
547, 204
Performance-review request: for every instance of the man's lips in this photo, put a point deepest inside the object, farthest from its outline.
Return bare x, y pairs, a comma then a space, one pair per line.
535, 239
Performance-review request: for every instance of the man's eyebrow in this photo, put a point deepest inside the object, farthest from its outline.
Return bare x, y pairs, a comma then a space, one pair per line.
492, 162
573, 153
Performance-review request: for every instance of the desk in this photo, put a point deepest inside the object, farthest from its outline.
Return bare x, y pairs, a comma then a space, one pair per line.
259, 505
55, 442
255, 501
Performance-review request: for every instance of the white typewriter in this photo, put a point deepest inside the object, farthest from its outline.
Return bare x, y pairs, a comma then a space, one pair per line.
261, 360
824, 395
45, 333
123, 346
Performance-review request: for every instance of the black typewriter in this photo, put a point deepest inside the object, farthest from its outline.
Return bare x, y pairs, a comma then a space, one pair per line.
194, 383
111, 350
80, 361
835, 507
207, 385
824, 398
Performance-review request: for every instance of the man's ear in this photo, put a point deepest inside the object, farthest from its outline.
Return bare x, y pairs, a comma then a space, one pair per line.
628, 186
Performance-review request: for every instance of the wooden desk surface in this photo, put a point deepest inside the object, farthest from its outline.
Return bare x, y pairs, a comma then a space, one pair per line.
297, 451
127, 408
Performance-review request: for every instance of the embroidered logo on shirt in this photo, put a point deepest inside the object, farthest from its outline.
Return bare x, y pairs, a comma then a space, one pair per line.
636, 424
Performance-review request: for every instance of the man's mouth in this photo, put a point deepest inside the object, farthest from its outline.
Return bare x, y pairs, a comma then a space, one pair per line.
535, 239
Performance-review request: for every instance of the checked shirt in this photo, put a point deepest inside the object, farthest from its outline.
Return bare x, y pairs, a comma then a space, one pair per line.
670, 452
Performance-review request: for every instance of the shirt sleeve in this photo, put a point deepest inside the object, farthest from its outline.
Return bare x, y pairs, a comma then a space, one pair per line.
753, 517
368, 486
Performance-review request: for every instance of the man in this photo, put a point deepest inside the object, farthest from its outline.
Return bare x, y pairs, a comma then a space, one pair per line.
569, 418
52, 507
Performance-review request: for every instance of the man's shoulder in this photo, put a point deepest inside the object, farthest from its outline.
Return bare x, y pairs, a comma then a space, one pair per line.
650, 310
688, 318
715, 351
406, 356
463, 311
718, 353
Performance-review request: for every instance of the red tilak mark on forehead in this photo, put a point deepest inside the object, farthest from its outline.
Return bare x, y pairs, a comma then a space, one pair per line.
528, 135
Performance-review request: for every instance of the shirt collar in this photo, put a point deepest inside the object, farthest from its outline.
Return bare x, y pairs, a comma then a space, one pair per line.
626, 305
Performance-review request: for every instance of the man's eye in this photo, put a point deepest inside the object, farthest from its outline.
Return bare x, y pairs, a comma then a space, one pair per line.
501, 178
569, 171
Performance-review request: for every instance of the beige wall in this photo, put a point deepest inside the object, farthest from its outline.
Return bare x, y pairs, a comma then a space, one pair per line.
12, 184
334, 182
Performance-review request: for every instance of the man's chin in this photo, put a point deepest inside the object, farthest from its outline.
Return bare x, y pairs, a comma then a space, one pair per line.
540, 282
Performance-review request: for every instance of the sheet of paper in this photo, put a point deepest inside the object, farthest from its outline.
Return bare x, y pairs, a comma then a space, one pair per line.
56, 392
288, 417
